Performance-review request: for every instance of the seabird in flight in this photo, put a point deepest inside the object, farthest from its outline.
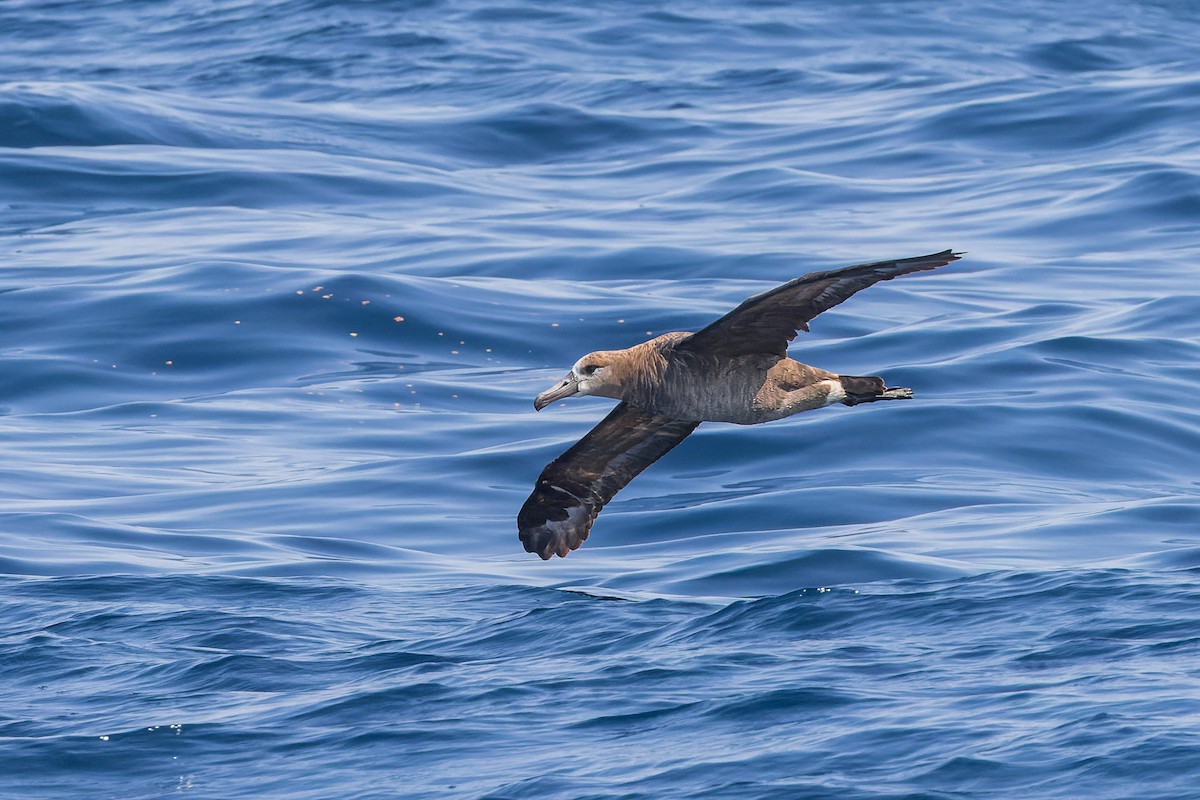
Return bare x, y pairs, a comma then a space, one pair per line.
735, 370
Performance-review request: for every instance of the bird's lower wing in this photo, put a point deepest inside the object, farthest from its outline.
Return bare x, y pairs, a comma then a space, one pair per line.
574, 487
765, 323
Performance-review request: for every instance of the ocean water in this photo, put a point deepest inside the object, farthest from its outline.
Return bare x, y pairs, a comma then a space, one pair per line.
279, 280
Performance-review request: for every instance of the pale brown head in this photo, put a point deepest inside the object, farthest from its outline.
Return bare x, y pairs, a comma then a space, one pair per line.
598, 374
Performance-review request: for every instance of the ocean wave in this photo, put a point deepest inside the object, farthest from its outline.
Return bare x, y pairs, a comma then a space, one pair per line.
279, 283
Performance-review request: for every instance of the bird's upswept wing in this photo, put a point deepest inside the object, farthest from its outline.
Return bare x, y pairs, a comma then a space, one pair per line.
765, 323
574, 487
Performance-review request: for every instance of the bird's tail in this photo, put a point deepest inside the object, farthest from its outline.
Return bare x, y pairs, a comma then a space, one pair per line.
868, 390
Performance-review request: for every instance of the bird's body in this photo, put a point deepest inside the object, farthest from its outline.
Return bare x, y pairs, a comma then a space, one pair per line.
656, 377
735, 370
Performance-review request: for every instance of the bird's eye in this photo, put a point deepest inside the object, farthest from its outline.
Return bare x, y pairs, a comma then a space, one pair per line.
588, 369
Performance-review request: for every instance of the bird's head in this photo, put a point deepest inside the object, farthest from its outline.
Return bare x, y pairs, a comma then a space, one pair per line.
594, 374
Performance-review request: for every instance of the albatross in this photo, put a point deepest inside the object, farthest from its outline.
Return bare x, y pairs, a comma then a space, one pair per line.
735, 370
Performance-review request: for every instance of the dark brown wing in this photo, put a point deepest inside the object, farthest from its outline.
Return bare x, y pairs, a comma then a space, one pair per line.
574, 487
765, 323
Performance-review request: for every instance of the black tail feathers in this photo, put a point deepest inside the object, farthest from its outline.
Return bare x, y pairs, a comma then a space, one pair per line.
868, 390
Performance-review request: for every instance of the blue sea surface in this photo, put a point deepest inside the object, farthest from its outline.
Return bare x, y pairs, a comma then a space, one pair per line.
279, 280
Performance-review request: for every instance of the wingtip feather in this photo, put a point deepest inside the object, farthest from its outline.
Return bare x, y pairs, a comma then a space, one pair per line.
546, 543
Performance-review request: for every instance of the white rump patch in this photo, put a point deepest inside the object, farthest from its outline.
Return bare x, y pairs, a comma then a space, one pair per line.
837, 392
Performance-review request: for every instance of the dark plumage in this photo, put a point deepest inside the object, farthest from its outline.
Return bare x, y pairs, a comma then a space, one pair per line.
734, 370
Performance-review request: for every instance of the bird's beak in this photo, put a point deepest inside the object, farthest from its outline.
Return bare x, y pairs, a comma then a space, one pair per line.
564, 388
